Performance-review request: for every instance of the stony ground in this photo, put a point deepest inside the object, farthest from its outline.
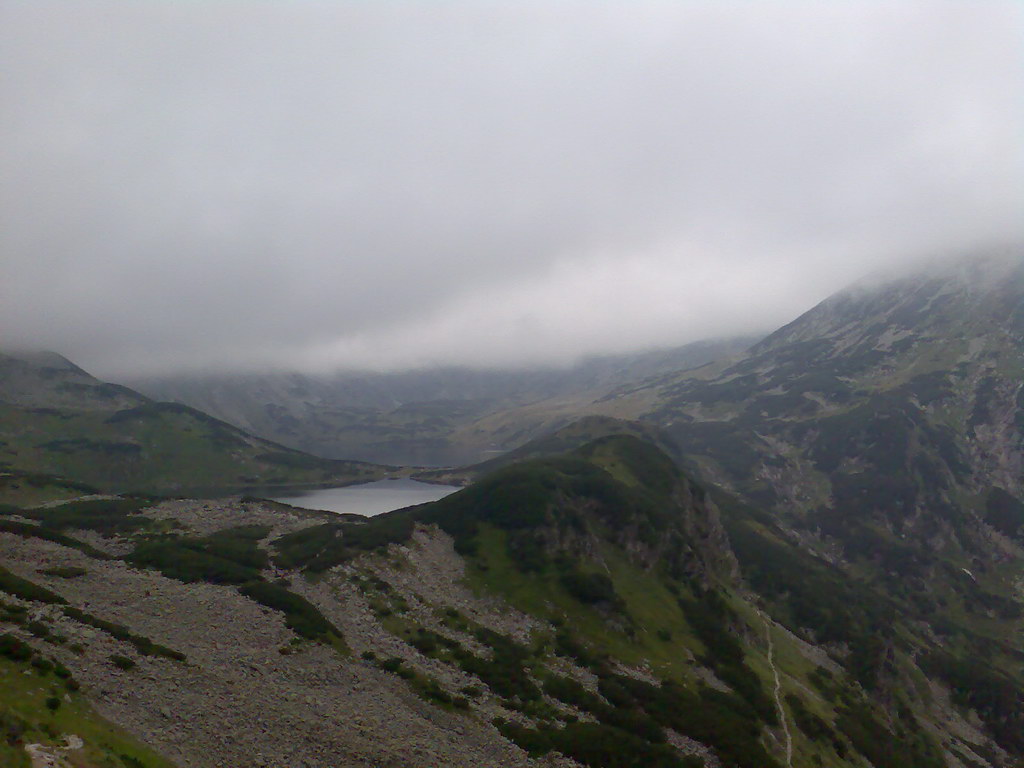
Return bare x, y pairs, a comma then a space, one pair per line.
240, 701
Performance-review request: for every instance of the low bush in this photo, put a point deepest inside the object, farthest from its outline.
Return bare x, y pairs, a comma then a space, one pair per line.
227, 557
597, 745
28, 530
301, 616
105, 516
142, 644
63, 572
14, 649
122, 662
26, 590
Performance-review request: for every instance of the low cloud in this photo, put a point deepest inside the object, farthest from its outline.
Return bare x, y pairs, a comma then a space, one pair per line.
314, 185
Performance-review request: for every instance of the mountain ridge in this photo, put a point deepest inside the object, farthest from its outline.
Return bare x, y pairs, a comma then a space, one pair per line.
56, 419
420, 417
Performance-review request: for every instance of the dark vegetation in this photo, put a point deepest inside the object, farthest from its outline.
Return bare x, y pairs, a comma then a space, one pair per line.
1004, 512
105, 516
301, 616
142, 644
14, 479
19, 651
523, 500
25, 589
710, 617
232, 556
912, 749
998, 700
814, 727
809, 594
631, 718
63, 571
122, 662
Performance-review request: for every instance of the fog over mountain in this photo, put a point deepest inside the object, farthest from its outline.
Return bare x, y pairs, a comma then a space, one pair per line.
310, 186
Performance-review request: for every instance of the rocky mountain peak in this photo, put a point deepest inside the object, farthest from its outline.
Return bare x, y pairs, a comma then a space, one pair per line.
971, 297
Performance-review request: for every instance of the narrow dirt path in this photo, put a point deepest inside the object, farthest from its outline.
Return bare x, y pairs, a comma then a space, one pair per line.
778, 691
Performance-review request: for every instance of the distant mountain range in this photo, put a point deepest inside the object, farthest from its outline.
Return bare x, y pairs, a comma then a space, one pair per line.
419, 417
808, 554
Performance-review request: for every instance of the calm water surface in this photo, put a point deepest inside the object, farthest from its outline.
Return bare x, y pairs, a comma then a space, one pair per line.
369, 498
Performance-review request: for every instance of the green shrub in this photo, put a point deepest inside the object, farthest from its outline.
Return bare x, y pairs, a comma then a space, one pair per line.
879, 745
505, 672
105, 516
589, 587
12, 728
597, 745
64, 572
122, 662
975, 684
301, 616
14, 649
27, 530
26, 590
52, 703
142, 644
226, 557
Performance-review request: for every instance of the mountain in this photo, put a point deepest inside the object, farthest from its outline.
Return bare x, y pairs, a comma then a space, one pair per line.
57, 420
567, 438
595, 608
935, 355
807, 555
414, 417
892, 408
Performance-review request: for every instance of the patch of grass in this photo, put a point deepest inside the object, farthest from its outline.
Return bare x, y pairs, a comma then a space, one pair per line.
29, 489
26, 718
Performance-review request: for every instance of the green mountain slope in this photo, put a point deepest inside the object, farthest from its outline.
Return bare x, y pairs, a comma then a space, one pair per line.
567, 438
599, 604
56, 419
631, 562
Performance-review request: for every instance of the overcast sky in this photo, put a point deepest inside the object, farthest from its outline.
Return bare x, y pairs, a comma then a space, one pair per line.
389, 184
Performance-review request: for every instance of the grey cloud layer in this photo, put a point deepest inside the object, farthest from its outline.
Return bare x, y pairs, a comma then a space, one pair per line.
307, 184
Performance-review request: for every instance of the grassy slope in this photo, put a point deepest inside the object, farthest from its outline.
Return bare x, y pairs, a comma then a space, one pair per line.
157, 447
23, 696
26, 489
647, 622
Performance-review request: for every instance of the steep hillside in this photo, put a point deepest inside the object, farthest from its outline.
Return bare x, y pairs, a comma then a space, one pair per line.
567, 438
411, 417
902, 400
55, 419
598, 605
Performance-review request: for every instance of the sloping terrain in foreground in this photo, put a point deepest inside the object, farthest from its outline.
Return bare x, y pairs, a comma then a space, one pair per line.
596, 608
